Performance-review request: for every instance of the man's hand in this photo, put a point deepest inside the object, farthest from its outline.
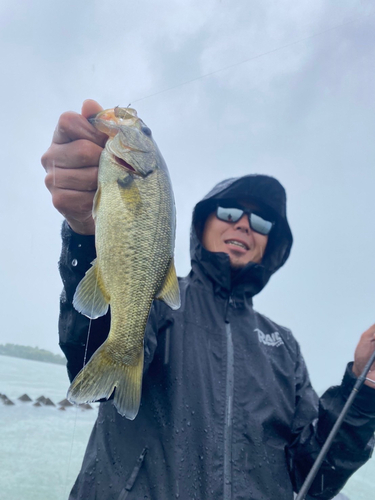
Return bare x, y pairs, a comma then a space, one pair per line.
71, 163
362, 354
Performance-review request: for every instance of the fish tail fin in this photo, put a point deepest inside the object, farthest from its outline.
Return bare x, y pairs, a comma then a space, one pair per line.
128, 392
102, 374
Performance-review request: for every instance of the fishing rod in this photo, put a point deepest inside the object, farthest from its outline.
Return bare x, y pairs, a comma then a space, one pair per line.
323, 452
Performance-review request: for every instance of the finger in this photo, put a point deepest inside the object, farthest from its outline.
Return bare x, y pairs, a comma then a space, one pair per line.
73, 126
72, 179
72, 204
90, 108
83, 227
370, 333
76, 154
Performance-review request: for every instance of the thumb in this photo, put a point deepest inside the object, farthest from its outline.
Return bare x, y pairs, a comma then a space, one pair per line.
90, 107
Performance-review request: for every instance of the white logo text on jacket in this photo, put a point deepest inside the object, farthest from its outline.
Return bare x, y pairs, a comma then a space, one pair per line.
271, 339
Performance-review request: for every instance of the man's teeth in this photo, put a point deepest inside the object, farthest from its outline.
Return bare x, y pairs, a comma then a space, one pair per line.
237, 243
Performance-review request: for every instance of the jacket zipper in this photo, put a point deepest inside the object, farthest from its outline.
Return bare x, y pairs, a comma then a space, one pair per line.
228, 426
133, 476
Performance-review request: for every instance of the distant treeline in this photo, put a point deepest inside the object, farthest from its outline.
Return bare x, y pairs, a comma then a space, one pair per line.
27, 352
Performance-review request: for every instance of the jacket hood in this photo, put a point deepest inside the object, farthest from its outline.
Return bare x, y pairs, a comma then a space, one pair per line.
270, 195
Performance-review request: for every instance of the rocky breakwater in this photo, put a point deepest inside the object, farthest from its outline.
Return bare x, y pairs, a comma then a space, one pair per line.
41, 401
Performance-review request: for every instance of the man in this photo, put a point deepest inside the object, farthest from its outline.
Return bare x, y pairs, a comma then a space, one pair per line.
227, 410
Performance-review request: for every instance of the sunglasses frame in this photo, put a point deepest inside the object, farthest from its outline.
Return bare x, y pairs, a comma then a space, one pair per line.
248, 212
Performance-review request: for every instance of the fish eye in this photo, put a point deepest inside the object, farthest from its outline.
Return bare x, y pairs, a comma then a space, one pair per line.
146, 131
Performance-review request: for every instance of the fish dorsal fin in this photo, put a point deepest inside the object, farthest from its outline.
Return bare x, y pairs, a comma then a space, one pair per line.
170, 291
89, 298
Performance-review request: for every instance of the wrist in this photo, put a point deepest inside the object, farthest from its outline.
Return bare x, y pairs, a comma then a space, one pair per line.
370, 379
355, 370
78, 251
86, 228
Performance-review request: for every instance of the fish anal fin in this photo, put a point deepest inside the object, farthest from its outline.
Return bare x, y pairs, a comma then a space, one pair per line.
90, 298
170, 291
102, 374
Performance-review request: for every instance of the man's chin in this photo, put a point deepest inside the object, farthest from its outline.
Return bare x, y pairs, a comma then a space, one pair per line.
235, 266
239, 265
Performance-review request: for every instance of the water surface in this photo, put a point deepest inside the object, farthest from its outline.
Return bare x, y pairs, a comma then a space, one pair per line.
41, 449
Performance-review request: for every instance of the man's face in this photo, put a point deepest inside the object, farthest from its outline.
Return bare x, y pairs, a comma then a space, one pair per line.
237, 239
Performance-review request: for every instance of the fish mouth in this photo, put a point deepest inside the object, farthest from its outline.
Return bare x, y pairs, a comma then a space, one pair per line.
124, 164
108, 121
125, 139
238, 243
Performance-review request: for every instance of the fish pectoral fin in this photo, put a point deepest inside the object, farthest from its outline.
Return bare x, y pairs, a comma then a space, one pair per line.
170, 291
89, 298
102, 375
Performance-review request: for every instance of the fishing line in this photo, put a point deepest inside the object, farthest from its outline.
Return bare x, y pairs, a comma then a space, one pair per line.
76, 408
206, 75
70, 453
54, 172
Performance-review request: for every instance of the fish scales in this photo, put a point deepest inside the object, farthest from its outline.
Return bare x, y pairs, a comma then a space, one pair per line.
134, 216
145, 250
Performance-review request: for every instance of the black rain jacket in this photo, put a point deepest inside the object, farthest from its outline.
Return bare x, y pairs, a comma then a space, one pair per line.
227, 410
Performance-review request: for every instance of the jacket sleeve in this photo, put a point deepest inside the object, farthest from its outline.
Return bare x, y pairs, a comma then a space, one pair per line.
313, 421
80, 337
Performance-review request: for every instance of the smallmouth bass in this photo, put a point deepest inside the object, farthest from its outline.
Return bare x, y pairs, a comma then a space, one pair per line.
135, 221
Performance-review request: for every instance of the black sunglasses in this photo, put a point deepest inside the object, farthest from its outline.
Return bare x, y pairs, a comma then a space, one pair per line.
257, 223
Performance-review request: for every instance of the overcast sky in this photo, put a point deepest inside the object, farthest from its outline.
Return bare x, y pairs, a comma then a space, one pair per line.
303, 113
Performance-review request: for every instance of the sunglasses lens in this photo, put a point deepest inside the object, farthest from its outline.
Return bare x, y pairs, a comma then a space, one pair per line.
229, 214
259, 224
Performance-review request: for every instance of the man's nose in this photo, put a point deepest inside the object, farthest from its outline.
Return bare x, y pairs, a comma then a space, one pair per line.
243, 224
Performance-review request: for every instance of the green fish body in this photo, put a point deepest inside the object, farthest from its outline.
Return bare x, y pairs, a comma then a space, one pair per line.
134, 216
